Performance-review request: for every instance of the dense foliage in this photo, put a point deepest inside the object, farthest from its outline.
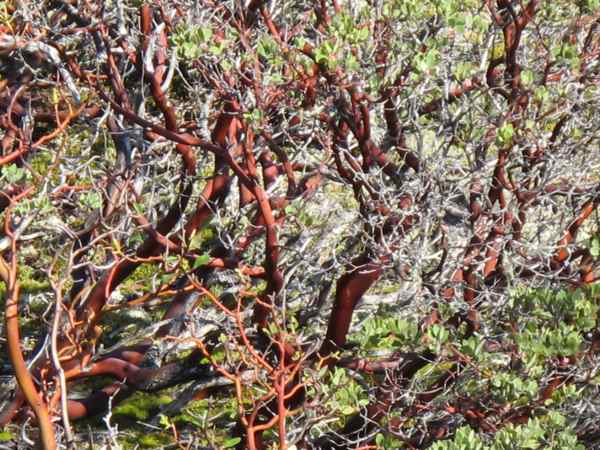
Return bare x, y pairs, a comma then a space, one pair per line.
300, 225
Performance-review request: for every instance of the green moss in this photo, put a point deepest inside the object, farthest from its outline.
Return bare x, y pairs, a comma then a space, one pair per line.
204, 236
147, 440
141, 406
141, 278
29, 280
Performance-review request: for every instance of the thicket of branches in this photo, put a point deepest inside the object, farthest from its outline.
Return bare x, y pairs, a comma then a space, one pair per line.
293, 224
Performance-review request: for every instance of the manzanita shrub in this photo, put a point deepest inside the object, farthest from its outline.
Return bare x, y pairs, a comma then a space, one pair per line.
300, 224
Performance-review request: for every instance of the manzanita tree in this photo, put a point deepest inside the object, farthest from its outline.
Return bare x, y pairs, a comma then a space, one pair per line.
293, 224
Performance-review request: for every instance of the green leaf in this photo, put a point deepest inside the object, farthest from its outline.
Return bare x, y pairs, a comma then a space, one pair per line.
196, 241
530, 443
6, 436
347, 410
591, 6
190, 419
527, 77
190, 50
92, 200
362, 34
505, 134
457, 22
201, 261
541, 94
229, 443
55, 96
352, 63
204, 34
497, 51
164, 421
428, 61
217, 49
226, 65
139, 208
595, 246
13, 174
463, 70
